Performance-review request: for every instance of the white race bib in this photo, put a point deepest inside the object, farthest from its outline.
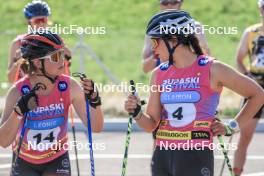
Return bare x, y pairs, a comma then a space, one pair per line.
180, 114
42, 140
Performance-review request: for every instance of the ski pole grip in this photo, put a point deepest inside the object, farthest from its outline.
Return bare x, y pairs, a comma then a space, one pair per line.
79, 75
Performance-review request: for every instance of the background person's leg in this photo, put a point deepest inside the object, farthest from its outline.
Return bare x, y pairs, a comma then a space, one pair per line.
246, 135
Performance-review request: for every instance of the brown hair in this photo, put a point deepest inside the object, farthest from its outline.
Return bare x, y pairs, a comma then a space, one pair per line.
28, 67
194, 43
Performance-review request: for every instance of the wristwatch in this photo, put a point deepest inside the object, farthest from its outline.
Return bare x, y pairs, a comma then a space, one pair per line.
233, 124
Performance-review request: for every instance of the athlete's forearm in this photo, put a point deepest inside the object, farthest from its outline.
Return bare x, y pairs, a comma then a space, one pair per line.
97, 119
146, 122
8, 130
250, 109
241, 66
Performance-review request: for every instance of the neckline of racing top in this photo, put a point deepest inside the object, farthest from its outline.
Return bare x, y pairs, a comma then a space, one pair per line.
51, 91
193, 63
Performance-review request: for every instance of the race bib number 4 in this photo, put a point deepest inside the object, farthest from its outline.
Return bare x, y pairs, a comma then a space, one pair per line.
42, 140
180, 114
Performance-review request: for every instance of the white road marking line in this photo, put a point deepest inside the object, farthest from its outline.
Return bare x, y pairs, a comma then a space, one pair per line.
5, 155
250, 157
4, 166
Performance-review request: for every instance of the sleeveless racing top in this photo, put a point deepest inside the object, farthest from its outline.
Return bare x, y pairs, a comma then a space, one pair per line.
188, 105
46, 128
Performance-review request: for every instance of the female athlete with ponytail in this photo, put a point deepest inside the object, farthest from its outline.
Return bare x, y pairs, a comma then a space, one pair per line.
40, 116
184, 105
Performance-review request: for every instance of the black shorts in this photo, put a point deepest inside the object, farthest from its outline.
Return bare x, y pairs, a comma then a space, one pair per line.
57, 167
261, 110
182, 162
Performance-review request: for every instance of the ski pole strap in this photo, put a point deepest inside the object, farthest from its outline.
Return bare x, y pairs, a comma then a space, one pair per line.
94, 102
142, 102
228, 129
28, 101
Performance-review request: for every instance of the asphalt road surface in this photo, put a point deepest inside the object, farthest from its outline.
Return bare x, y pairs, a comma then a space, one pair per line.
109, 148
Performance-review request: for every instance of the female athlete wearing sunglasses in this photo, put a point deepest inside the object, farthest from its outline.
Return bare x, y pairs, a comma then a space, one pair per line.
150, 60
44, 150
36, 13
186, 91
